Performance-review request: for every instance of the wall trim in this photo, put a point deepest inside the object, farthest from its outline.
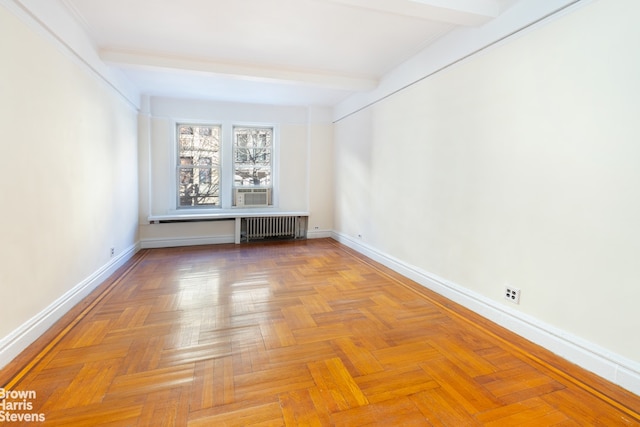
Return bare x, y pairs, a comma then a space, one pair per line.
154, 243
458, 46
18, 340
55, 24
319, 234
602, 362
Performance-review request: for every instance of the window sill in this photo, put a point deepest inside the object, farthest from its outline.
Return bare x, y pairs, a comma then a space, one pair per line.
201, 215
235, 214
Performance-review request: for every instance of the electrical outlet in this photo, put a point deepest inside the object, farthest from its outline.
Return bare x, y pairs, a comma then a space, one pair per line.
113, 252
512, 294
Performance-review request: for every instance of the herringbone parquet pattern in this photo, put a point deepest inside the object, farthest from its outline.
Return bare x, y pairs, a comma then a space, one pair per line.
298, 333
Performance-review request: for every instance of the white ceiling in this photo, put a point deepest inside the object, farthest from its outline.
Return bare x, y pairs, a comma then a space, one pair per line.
296, 52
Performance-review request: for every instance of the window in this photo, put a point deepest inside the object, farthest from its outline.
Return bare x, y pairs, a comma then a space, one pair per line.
223, 171
252, 166
252, 148
198, 165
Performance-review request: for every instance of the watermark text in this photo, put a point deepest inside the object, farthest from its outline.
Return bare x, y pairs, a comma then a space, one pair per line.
17, 406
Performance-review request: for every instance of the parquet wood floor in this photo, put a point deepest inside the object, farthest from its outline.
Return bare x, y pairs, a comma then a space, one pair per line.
294, 333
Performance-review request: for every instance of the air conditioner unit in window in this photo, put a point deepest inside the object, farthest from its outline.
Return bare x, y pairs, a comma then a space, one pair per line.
253, 197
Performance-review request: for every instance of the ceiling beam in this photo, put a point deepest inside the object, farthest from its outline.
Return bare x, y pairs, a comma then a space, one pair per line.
457, 12
240, 71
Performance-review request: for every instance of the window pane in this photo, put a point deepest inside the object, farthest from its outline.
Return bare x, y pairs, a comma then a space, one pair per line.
186, 174
198, 142
253, 156
252, 176
259, 138
205, 170
200, 193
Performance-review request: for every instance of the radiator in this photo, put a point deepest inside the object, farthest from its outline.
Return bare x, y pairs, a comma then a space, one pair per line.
268, 227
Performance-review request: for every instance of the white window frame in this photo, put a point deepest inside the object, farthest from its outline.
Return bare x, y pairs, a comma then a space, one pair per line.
234, 186
227, 165
176, 164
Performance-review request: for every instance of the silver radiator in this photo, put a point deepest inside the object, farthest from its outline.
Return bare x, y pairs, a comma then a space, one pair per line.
274, 227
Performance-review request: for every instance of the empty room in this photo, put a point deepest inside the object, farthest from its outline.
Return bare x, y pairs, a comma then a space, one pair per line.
320, 212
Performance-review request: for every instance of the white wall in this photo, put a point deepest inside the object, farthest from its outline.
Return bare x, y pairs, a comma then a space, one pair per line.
68, 181
304, 141
320, 166
517, 166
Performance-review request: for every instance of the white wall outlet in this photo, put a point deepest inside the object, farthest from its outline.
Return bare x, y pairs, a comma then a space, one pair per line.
512, 294
112, 252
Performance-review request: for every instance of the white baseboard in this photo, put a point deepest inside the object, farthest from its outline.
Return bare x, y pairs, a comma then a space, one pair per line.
185, 241
319, 234
194, 241
18, 340
613, 367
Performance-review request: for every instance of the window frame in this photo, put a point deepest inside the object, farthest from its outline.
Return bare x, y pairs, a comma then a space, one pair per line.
243, 164
178, 166
226, 166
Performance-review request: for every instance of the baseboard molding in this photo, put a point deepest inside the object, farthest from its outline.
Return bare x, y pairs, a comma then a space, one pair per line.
613, 367
18, 340
319, 234
154, 243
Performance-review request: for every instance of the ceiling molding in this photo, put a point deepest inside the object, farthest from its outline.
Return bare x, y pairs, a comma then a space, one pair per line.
458, 12
240, 71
